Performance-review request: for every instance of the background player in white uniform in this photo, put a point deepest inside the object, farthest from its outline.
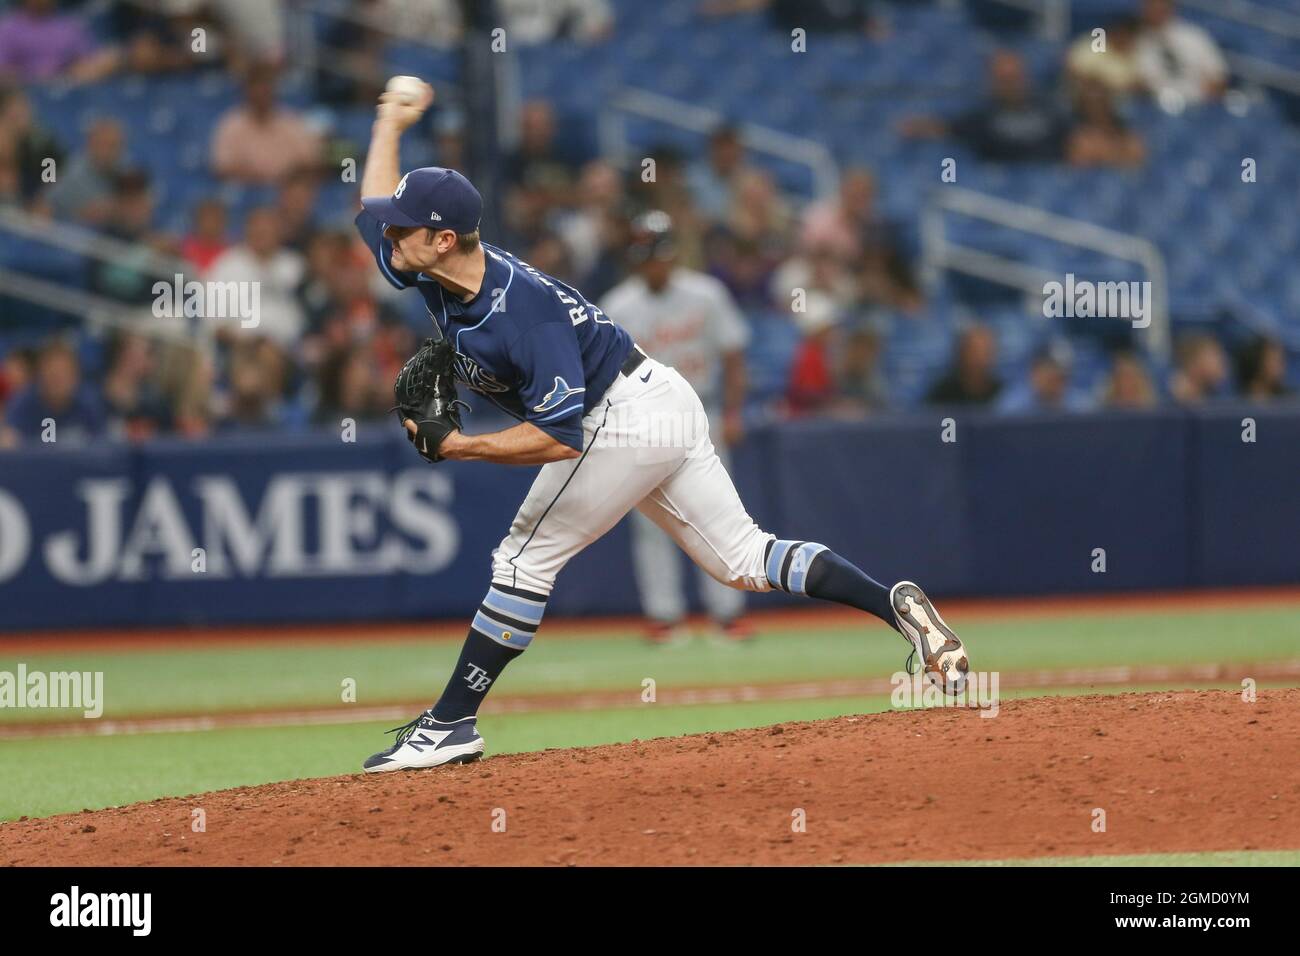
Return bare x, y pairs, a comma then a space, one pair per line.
687, 320
612, 428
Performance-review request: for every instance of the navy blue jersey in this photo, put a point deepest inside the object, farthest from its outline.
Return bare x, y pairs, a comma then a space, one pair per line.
528, 342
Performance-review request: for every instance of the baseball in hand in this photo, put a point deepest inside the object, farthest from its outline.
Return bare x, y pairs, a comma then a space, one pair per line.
412, 90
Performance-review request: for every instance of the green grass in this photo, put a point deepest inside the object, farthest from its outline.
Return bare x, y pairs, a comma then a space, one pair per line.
1208, 858
42, 776
52, 775
207, 680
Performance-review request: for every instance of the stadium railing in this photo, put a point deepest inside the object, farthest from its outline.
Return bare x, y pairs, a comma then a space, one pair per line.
799, 150
939, 254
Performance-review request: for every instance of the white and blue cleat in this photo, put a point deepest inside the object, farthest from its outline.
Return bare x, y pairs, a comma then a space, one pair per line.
943, 656
426, 742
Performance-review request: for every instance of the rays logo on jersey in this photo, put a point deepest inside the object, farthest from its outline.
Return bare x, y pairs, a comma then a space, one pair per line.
473, 375
556, 396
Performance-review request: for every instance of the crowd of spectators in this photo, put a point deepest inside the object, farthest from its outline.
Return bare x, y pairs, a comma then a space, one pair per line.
332, 335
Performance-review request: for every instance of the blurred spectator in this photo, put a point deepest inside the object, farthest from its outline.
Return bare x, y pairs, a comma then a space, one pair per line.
746, 267
1202, 369
206, 240
1100, 137
348, 71
864, 242
1015, 125
670, 192
315, 293
349, 386
56, 393
15, 373
1261, 370
531, 22
84, 189
130, 277
759, 212
816, 269
343, 312
1048, 387
971, 378
812, 387
540, 176
1128, 385
262, 259
187, 376
261, 141
157, 38
839, 223
136, 407
255, 385
1115, 67
24, 148
860, 380
295, 207
548, 253
1180, 63
38, 44
712, 180
585, 229
255, 29
835, 371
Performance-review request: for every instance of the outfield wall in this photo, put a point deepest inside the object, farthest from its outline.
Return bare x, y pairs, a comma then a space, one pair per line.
312, 528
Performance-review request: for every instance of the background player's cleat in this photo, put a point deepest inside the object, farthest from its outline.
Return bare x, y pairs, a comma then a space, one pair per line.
426, 742
943, 656
668, 634
735, 631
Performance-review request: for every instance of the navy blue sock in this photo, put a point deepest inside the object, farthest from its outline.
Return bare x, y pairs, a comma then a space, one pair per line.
481, 662
804, 567
503, 627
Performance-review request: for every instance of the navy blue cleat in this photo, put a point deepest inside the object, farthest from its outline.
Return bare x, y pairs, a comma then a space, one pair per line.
426, 742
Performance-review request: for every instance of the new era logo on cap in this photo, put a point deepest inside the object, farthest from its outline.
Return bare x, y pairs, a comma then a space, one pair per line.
430, 194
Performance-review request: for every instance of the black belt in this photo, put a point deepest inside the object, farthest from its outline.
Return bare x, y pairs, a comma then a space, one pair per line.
633, 361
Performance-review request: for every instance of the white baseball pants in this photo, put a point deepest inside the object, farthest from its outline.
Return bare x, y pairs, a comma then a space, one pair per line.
645, 446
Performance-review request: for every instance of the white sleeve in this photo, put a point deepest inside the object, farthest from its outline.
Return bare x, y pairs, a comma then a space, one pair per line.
619, 305
1205, 51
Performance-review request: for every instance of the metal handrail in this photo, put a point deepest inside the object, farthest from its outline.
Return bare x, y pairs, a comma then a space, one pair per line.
85, 242
1251, 14
1264, 72
938, 253
96, 311
699, 119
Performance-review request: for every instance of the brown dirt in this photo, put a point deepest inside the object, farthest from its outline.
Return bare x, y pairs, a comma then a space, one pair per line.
1174, 772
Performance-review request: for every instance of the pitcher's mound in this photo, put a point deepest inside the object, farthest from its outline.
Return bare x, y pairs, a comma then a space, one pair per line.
1164, 772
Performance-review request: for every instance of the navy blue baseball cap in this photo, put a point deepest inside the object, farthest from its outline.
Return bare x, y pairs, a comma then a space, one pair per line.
430, 197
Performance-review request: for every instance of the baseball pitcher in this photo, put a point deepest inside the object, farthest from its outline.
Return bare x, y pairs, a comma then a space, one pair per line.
613, 428
688, 321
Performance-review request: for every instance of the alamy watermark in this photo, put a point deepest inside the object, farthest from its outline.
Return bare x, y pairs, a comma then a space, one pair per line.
1085, 299
980, 691
208, 300
628, 426
55, 690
